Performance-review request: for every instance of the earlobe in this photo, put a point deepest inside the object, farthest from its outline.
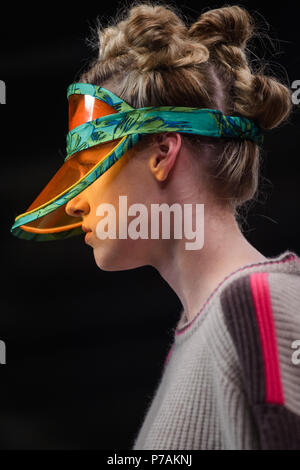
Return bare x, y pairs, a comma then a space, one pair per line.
158, 167
164, 155
160, 174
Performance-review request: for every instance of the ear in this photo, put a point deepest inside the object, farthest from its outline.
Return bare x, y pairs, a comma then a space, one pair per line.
165, 149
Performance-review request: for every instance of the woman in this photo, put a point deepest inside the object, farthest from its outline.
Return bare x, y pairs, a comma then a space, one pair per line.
229, 381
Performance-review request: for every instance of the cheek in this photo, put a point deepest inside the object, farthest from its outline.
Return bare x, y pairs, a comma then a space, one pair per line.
121, 186
100, 194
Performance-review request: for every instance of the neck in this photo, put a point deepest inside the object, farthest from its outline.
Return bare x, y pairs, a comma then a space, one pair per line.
194, 274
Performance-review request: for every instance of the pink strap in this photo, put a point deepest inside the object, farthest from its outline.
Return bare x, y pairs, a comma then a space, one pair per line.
263, 307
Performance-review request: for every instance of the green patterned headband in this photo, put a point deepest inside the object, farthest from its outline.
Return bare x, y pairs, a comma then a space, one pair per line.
130, 121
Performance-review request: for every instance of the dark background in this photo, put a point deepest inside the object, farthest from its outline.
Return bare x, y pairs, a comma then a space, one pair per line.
85, 347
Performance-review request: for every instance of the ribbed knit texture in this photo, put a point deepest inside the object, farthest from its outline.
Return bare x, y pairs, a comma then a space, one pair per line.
228, 381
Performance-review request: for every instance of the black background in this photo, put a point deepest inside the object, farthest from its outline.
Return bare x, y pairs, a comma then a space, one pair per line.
85, 347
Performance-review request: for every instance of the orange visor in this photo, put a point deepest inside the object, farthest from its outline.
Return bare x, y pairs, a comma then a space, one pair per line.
77, 172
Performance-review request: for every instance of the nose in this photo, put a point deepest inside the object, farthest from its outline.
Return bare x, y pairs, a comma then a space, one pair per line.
77, 207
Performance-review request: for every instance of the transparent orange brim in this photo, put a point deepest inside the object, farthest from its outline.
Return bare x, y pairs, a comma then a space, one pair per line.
82, 108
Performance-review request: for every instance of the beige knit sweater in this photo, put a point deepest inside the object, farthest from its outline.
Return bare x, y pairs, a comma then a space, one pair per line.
231, 379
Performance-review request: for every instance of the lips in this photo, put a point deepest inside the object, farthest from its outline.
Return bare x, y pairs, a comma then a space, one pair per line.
85, 229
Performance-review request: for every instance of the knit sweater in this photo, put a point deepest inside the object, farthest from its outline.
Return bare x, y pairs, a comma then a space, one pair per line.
231, 379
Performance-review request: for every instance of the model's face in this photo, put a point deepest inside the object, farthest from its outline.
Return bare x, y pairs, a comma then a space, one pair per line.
130, 177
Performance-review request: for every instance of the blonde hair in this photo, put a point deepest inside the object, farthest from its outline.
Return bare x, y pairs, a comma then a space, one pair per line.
150, 57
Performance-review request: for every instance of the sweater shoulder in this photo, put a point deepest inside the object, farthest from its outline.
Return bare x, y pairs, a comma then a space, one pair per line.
261, 311
263, 296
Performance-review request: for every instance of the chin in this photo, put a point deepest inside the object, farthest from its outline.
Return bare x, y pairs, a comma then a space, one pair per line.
111, 260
